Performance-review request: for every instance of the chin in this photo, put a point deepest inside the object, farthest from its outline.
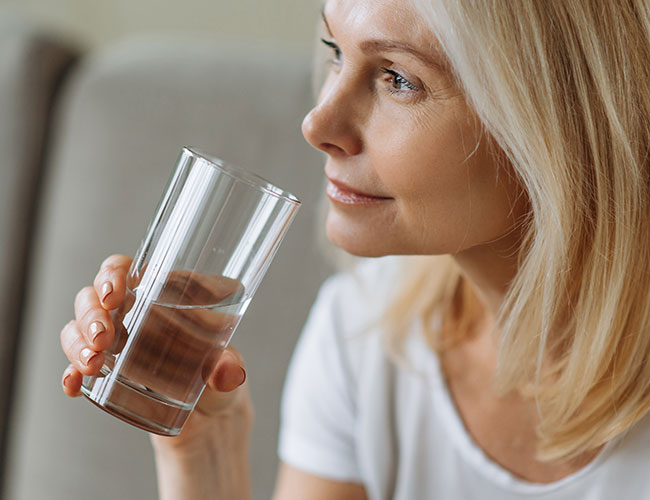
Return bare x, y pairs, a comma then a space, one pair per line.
360, 245
368, 243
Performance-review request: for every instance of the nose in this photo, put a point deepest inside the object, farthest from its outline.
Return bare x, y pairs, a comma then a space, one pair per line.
333, 125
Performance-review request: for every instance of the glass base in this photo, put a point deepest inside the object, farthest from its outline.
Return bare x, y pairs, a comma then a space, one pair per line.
136, 404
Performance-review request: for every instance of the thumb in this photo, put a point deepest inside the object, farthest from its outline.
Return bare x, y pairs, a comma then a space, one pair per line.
223, 382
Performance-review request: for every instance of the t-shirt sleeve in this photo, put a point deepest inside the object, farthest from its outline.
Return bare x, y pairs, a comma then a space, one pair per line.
318, 412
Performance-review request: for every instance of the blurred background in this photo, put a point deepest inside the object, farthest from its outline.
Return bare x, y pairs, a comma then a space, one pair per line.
97, 98
97, 22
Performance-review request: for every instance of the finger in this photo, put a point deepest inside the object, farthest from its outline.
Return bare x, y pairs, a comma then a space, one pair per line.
229, 372
71, 382
82, 357
227, 376
110, 282
225, 385
93, 320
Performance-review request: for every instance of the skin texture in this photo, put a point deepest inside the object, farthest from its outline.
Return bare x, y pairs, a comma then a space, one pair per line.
412, 139
393, 125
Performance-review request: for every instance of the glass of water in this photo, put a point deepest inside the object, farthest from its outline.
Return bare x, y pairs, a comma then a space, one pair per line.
208, 246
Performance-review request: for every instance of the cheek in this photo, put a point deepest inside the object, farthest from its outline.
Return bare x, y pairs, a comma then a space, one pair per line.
425, 167
425, 151
451, 194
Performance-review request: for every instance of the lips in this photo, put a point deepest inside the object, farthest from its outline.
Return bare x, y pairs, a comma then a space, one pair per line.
341, 193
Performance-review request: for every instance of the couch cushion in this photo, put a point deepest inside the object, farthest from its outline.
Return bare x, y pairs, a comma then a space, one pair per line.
125, 117
31, 67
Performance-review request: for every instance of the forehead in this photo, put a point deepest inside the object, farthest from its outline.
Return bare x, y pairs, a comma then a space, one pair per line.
393, 19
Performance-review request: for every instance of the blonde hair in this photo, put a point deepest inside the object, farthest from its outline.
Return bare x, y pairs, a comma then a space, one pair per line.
563, 87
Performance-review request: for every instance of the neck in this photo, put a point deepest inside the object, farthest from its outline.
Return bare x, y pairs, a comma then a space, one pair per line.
490, 269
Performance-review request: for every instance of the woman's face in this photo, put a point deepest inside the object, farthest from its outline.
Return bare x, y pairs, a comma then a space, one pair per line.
395, 126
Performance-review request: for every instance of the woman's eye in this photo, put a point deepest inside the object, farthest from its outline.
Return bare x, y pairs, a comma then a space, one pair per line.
338, 56
398, 82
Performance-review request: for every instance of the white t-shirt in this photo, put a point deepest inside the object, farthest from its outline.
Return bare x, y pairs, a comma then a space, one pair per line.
350, 414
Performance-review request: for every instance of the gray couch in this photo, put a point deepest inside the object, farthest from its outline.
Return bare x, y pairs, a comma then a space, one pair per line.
87, 141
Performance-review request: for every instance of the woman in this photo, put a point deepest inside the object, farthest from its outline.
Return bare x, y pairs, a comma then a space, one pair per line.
507, 144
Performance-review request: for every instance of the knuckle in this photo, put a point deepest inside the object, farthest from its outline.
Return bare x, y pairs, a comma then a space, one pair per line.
83, 294
87, 317
70, 340
102, 275
114, 262
110, 269
64, 331
110, 260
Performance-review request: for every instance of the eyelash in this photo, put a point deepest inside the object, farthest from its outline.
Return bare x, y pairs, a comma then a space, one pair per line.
335, 48
397, 79
400, 80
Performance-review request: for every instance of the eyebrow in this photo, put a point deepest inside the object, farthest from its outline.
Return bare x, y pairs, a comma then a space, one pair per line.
381, 45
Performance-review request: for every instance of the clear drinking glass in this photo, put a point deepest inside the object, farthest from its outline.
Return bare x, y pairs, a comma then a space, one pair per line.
212, 238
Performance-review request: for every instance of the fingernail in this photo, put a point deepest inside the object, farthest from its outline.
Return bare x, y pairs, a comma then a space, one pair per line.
243, 376
107, 289
96, 328
65, 379
87, 356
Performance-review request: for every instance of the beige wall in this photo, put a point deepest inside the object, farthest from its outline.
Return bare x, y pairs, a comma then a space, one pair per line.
94, 22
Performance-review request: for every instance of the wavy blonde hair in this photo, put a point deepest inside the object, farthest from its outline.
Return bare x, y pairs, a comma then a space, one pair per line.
563, 87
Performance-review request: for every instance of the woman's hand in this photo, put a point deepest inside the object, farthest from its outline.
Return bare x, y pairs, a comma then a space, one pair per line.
92, 331
209, 458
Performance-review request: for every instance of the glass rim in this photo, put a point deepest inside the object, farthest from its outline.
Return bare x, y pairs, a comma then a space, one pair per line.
242, 175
